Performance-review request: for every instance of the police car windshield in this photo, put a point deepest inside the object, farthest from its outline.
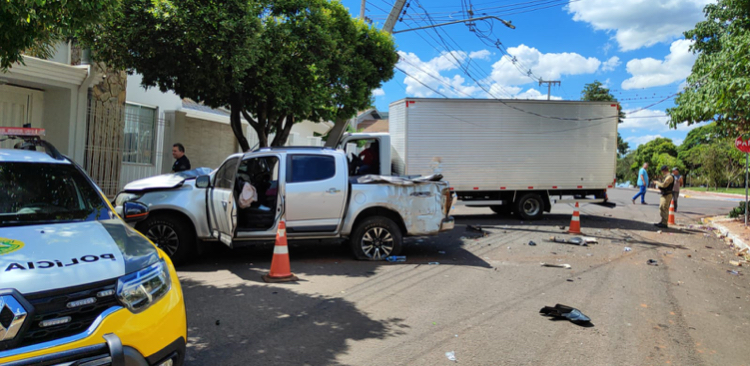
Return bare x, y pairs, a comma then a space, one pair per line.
33, 193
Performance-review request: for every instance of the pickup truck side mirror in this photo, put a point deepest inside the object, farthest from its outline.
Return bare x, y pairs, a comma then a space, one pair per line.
203, 181
134, 211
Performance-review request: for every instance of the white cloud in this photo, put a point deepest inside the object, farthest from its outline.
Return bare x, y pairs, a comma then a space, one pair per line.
379, 92
648, 119
640, 23
639, 140
480, 55
649, 72
611, 64
427, 77
678, 141
548, 66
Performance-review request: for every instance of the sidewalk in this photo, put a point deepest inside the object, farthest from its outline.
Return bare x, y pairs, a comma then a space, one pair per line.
734, 233
686, 193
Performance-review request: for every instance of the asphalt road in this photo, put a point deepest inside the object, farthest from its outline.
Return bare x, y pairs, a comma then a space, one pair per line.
482, 300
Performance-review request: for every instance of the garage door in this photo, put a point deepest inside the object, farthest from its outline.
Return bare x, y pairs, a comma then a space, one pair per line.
16, 108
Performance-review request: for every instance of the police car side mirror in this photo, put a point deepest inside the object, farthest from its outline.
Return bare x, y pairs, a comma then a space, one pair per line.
134, 211
203, 181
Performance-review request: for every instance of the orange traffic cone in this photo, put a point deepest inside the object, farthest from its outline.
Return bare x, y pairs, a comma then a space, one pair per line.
280, 268
671, 213
575, 222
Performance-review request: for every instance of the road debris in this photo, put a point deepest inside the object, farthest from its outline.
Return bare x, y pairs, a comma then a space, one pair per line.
531, 243
736, 273
574, 241
567, 312
735, 263
441, 252
477, 229
433, 263
396, 258
566, 266
451, 355
628, 249
652, 262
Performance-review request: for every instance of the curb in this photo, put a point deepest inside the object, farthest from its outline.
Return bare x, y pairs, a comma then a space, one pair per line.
722, 230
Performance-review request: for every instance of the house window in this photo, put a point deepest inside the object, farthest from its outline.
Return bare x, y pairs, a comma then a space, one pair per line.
140, 123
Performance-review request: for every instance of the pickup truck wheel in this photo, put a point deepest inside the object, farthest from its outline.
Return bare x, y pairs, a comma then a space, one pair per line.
530, 207
171, 235
376, 238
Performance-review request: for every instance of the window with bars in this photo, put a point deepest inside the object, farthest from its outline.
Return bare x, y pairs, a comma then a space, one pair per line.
140, 128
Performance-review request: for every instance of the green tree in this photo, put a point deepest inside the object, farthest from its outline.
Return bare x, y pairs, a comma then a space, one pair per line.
719, 84
646, 153
597, 92
274, 62
624, 171
33, 26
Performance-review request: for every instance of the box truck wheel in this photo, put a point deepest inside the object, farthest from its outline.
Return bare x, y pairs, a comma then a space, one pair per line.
530, 207
376, 238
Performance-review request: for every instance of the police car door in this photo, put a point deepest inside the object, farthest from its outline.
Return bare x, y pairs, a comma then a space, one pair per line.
223, 208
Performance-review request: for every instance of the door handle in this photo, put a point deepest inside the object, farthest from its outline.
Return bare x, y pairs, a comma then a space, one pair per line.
224, 203
333, 191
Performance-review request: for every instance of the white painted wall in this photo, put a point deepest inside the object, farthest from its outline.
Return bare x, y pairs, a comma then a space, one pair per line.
168, 101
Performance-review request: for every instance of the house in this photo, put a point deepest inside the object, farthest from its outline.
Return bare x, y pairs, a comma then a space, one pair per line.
114, 128
372, 121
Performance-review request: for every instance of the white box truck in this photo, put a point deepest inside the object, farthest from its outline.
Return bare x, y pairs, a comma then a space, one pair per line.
509, 155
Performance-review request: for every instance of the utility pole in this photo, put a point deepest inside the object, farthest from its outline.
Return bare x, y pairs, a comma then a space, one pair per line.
549, 86
390, 22
362, 10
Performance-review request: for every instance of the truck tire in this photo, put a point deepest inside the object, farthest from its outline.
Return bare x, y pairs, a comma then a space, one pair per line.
376, 238
502, 210
171, 235
530, 207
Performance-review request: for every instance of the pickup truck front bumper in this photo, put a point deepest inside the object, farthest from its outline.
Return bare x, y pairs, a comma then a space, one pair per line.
447, 224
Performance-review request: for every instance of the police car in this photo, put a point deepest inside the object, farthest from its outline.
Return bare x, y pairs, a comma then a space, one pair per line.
78, 286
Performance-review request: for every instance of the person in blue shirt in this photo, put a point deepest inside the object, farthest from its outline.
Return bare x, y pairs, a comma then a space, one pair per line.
642, 184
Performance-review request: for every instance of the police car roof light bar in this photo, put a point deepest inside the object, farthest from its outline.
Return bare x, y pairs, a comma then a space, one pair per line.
31, 137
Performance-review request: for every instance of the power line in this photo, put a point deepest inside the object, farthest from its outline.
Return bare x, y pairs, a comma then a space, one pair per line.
419, 81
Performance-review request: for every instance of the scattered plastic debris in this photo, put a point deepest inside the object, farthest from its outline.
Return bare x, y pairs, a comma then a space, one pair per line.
569, 280
442, 252
433, 263
628, 249
574, 241
652, 262
563, 311
736, 273
658, 232
566, 266
531, 243
396, 258
451, 355
218, 322
735, 263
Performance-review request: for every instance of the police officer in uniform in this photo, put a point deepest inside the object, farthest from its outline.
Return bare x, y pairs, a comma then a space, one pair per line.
665, 187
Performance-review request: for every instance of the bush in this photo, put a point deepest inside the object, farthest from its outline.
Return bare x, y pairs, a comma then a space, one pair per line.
738, 211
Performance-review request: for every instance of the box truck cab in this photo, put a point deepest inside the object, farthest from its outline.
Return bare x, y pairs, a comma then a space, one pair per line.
513, 156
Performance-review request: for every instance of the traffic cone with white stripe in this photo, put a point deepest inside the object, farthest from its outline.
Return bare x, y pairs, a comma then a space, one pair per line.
280, 269
575, 222
671, 213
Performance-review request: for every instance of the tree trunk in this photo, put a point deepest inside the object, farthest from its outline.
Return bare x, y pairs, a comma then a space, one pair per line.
235, 107
282, 133
259, 130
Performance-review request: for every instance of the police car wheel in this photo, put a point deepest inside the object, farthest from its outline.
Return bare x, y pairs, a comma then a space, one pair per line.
171, 235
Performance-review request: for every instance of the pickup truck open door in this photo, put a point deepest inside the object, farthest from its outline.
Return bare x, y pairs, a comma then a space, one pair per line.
222, 208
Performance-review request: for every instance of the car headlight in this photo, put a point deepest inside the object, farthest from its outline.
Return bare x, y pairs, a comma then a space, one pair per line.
125, 197
139, 290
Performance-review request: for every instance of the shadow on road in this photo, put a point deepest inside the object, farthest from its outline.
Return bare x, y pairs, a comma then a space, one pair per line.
331, 258
263, 325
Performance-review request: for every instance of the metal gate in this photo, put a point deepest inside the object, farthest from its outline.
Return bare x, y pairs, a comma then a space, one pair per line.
104, 144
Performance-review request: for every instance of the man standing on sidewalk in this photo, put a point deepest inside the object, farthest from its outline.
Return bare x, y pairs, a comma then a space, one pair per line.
665, 186
642, 184
677, 185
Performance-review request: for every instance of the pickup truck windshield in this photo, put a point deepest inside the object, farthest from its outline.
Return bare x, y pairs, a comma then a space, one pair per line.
33, 193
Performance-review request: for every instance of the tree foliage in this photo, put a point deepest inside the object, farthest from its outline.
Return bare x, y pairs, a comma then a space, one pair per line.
597, 92
275, 62
624, 169
38, 24
719, 85
651, 153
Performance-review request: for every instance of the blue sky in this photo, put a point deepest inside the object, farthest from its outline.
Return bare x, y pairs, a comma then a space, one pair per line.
635, 47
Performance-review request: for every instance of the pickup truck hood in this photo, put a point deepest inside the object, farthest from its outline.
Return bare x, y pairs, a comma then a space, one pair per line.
165, 181
52, 256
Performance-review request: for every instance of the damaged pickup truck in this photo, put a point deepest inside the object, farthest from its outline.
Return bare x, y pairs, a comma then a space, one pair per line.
312, 188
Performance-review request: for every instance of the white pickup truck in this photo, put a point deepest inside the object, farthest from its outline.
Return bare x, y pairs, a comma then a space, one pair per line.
312, 188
